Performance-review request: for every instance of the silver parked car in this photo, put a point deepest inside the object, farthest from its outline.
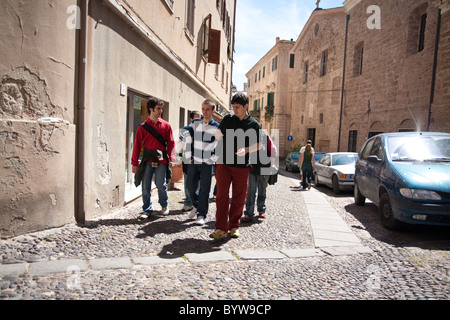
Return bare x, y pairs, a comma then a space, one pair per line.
336, 170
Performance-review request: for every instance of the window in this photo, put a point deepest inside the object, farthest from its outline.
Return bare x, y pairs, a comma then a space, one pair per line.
323, 63
264, 72
206, 35
211, 42
423, 25
170, 3
365, 152
223, 74
377, 149
292, 61
270, 99
416, 29
358, 59
182, 117
275, 63
352, 140
259, 75
305, 79
190, 14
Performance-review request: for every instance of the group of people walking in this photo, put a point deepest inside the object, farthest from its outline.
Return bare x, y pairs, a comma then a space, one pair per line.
241, 153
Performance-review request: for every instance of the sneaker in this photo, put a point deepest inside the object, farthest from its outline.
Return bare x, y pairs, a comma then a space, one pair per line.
187, 208
246, 219
262, 215
144, 216
165, 211
234, 233
200, 221
192, 214
309, 186
218, 234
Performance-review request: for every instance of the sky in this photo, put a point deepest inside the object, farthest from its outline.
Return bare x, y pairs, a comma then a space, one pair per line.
259, 22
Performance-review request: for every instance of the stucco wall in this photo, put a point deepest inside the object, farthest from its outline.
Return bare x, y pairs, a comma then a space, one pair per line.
37, 74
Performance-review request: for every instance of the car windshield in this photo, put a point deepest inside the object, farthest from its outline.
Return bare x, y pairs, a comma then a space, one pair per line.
295, 156
419, 148
344, 159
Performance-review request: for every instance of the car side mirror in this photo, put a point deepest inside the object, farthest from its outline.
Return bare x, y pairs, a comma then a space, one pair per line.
373, 159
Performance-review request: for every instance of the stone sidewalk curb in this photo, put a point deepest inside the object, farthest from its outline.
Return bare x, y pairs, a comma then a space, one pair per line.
79, 265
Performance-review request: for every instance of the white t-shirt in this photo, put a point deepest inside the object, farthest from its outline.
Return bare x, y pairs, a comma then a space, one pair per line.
302, 150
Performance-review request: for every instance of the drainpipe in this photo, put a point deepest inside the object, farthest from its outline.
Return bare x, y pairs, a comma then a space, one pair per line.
343, 84
80, 214
232, 47
433, 80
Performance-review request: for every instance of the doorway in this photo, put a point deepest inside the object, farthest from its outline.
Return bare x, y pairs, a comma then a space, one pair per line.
312, 136
136, 114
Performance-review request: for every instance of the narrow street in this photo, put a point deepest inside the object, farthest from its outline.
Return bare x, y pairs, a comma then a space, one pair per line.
169, 257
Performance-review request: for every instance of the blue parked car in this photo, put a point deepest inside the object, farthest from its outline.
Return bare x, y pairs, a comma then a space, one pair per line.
407, 175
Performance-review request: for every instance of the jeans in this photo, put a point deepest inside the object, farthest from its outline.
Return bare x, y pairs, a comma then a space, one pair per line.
307, 175
160, 181
203, 173
256, 183
188, 200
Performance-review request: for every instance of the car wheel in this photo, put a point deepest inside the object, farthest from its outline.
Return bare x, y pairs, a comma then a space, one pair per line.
386, 214
336, 188
360, 200
316, 180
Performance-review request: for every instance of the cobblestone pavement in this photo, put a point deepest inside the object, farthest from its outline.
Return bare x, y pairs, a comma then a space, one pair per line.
388, 271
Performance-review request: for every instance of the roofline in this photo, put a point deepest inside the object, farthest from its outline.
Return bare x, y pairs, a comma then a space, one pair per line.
269, 52
315, 13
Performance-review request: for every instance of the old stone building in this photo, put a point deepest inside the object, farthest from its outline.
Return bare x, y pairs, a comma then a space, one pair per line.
396, 75
316, 81
75, 79
267, 90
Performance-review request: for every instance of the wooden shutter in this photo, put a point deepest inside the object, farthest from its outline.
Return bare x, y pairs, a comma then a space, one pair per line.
214, 47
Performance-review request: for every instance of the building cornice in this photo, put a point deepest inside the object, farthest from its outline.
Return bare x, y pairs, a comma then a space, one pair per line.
444, 5
311, 20
350, 4
157, 42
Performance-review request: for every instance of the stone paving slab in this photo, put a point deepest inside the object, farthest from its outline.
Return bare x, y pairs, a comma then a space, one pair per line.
329, 229
12, 269
346, 251
57, 266
111, 263
302, 253
157, 260
249, 254
336, 235
210, 256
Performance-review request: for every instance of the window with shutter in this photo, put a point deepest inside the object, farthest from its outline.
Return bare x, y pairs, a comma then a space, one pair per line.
292, 61
190, 14
270, 99
214, 47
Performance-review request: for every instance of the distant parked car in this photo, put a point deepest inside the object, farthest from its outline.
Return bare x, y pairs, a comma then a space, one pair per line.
336, 170
291, 162
407, 175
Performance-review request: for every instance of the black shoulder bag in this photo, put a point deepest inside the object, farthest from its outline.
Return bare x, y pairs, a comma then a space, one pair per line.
161, 140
